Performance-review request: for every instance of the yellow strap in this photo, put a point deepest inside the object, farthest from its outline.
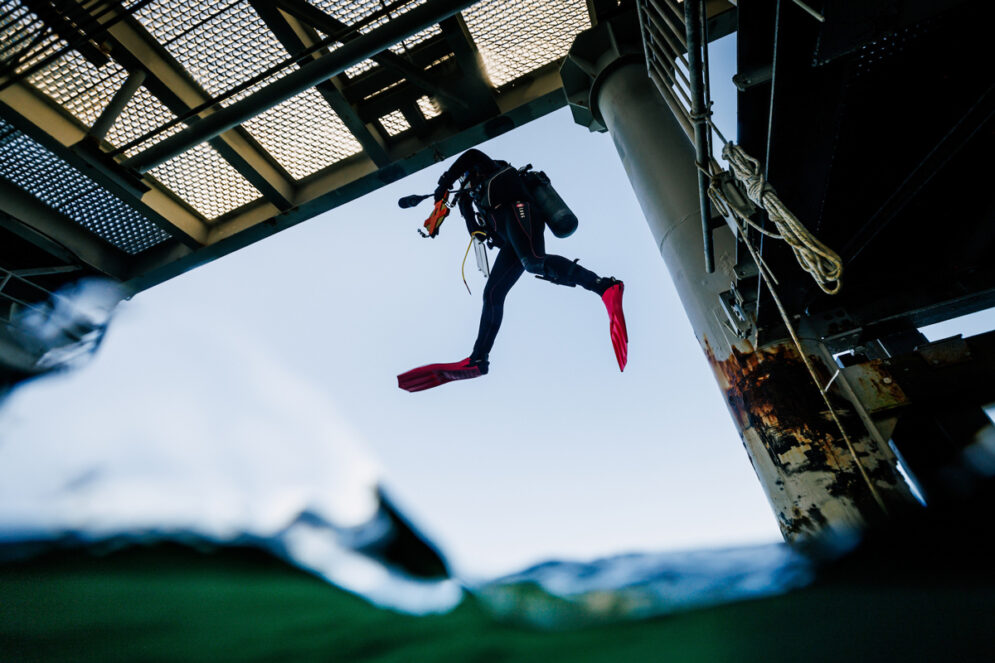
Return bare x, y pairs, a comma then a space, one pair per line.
462, 269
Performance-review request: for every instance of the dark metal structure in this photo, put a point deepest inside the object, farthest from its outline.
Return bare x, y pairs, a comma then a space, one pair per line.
838, 397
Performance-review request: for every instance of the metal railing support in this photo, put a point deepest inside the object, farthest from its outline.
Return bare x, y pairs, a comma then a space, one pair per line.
117, 103
693, 15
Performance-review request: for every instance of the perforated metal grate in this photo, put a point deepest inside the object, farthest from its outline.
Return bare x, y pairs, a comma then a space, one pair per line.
428, 107
229, 44
206, 181
28, 39
229, 48
515, 37
168, 19
200, 177
142, 114
77, 85
394, 123
34, 169
18, 32
351, 13
303, 134
17, 27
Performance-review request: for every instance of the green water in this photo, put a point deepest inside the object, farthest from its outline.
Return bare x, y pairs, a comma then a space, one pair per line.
171, 603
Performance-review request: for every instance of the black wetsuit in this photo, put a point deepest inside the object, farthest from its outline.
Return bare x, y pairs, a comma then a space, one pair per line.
508, 216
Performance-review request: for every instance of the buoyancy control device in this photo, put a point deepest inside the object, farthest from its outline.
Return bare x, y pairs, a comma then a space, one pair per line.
560, 219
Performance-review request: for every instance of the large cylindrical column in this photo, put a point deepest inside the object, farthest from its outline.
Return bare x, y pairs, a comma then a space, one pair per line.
659, 162
815, 482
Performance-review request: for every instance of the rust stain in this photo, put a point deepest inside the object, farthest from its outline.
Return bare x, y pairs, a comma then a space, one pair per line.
878, 389
770, 391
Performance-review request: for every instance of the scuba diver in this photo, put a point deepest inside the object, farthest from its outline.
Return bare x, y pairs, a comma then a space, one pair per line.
499, 204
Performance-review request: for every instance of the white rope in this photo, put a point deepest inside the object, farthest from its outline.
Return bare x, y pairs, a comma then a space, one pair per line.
816, 258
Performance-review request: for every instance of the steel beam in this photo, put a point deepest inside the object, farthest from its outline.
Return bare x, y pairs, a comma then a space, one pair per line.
46, 271
295, 39
117, 103
309, 75
32, 220
411, 112
479, 93
316, 18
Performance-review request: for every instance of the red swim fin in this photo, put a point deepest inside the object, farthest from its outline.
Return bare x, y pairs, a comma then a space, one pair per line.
620, 337
433, 375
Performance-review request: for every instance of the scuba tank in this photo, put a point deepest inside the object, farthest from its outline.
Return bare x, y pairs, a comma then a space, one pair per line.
554, 211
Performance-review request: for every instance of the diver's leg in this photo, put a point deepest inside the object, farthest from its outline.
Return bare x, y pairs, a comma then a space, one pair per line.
524, 231
507, 268
525, 234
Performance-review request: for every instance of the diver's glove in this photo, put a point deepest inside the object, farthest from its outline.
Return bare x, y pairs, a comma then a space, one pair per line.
441, 192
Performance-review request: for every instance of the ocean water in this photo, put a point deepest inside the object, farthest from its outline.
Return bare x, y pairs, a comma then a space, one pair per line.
139, 601
560, 594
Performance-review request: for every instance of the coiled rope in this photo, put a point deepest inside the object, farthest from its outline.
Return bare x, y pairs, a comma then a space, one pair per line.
816, 258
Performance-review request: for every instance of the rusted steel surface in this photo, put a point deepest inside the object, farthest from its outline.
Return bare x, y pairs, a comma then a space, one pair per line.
798, 451
875, 387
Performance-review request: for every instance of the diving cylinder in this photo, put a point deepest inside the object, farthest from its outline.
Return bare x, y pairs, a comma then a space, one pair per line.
555, 212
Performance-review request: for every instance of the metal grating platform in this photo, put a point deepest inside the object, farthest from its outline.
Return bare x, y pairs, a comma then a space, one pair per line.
102, 87
352, 13
229, 48
143, 113
24, 35
544, 32
303, 134
394, 123
28, 165
167, 20
206, 181
78, 86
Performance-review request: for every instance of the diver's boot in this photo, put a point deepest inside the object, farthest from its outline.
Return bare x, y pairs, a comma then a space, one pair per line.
611, 294
433, 375
481, 363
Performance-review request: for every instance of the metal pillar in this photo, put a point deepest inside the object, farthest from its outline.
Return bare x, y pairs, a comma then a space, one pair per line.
813, 481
